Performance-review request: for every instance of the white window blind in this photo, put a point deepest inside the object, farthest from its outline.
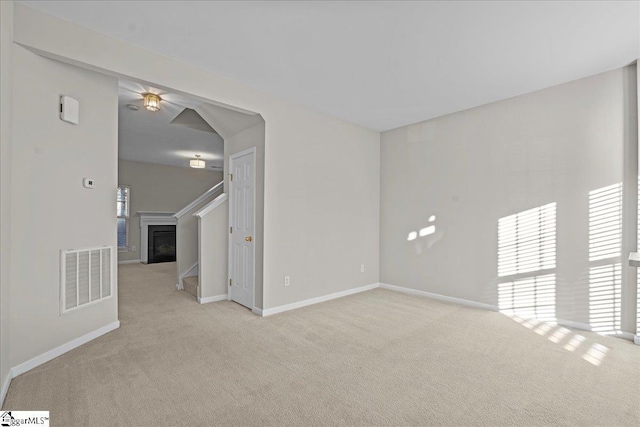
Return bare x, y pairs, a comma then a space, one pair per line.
122, 205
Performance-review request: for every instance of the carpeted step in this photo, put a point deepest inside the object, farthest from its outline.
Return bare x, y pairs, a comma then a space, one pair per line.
190, 284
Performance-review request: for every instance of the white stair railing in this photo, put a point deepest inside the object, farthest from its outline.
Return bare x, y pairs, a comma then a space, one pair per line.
208, 195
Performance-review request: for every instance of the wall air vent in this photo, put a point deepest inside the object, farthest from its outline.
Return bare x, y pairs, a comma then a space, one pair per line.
86, 277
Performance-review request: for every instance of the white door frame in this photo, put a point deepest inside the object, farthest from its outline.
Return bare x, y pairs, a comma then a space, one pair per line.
233, 157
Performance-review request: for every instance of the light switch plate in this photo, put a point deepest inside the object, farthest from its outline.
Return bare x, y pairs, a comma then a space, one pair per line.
69, 110
88, 183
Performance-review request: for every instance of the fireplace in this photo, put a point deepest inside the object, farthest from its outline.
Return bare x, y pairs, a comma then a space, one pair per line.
161, 243
149, 219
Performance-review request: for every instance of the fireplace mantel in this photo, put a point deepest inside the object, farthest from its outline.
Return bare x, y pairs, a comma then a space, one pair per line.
148, 218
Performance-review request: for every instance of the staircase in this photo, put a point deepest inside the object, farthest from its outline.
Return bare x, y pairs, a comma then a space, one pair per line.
190, 284
187, 240
203, 248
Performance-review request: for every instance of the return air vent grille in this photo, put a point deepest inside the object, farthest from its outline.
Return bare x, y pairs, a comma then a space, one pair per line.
86, 277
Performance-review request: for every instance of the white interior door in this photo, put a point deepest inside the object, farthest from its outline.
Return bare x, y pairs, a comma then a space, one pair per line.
242, 185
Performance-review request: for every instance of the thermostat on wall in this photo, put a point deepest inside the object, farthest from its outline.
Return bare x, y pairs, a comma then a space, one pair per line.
69, 110
88, 183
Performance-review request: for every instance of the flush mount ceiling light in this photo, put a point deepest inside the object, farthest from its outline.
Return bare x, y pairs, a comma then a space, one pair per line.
197, 163
151, 101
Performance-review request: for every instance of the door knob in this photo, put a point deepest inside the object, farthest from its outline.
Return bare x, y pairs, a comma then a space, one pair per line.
248, 238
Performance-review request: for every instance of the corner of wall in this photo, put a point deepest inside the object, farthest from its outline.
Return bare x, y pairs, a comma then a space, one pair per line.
6, 41
66, 161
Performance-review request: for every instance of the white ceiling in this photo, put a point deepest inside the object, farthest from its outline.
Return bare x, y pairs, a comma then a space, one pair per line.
379, 64
149, 137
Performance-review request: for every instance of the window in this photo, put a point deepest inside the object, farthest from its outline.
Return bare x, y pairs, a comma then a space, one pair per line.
122, 203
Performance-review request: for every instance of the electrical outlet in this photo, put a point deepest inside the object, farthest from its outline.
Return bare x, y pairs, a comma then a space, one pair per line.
287, 280
361, 268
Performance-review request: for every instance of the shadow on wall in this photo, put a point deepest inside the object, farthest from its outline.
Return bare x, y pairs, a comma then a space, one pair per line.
527, 258
572, 299
605, 239
527, 263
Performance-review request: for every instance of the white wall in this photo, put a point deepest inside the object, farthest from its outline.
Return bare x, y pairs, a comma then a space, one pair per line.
474, 167
321, 173
322, 197
630, 199
637, 340
6, 37
159, 188
50, 209
213, 251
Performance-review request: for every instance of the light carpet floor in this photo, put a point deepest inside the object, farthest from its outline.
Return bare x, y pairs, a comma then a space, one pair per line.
375, 358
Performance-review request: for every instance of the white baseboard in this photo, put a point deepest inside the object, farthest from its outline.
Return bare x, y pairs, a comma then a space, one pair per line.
64, 348
469, 303
586, 327
311, 301
214, 298
622, 334
574, 325
5, 388
460, 301
130, 261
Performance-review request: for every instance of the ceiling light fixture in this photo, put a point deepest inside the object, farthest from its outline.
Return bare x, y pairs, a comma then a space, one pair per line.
151, 101
197, 163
